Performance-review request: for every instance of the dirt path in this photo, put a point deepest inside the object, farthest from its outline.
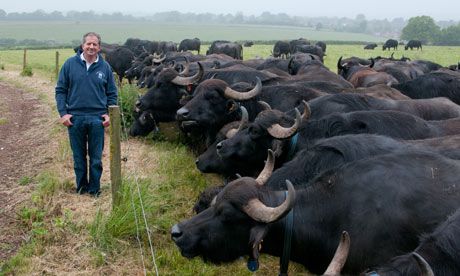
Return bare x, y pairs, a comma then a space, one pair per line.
24, 151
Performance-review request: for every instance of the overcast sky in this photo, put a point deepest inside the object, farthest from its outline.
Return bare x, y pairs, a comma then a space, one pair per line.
372, 9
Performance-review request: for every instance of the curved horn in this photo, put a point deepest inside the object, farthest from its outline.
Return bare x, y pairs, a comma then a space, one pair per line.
244, 118
340, 256
186, 68
265, 105
279, 132
154, 60
306, 111
423, 264
339, 64
268, 169
243, 122
189, 80
262, 213
241, 96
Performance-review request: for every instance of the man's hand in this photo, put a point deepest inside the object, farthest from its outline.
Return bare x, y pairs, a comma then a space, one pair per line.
106, 121
65, 120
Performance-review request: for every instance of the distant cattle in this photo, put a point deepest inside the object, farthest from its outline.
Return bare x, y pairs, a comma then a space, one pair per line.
417, 44
231, 49
281, 49
248, 43
193, 44
390, 43
370, 46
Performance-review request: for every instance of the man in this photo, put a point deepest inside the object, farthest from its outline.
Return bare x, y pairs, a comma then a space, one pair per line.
84, 90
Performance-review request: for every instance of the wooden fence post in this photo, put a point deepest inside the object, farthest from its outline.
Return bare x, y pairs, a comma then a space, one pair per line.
57, 64
115, 154
24, 60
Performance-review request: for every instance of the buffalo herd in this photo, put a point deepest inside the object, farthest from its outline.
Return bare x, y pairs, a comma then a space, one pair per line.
368, 155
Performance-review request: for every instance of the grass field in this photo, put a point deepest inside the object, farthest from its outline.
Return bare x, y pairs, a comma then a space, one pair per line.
45, 60
171, 182
118, 32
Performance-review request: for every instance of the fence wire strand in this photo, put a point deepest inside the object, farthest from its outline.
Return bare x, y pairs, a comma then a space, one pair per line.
136, 180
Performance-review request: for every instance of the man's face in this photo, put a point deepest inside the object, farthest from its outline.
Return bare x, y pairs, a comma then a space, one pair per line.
91, 46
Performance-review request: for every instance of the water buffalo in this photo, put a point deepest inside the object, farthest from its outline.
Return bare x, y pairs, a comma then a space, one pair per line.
417, 44
370, 46
120, 59
281, 48
187, 44
231, 49
390, 43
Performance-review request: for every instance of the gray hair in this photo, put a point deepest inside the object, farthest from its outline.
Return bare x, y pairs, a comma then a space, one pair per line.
91, 34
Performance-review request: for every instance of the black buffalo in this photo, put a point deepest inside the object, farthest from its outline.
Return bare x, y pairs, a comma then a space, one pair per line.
361, 197
313, 70
281, 48
167, 46
430, 85
417, 44
370, 46
310, 49
439, 253
390, 43
231, 49
120, 59
187, 44
297, 42
139, 46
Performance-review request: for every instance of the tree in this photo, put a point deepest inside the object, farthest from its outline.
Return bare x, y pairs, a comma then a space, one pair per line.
421, 28
449, 36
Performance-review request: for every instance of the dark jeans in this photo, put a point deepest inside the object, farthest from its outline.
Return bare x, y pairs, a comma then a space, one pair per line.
87, 139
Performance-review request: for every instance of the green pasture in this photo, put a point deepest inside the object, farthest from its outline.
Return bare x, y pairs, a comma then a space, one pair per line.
45, 60
118, 32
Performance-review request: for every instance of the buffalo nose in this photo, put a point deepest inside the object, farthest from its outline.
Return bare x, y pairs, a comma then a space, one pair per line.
182, 113
197, 161
175, 232
219, 146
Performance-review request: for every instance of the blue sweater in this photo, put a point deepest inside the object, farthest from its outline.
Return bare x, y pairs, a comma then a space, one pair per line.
85, 92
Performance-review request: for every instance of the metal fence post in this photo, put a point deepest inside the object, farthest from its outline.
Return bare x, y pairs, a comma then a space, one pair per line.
115, 154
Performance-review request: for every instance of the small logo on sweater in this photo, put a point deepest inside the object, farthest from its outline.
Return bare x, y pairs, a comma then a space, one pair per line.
100, 75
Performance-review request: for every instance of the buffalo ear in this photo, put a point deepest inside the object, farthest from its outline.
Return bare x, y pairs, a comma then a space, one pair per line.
334, 150
232, 106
